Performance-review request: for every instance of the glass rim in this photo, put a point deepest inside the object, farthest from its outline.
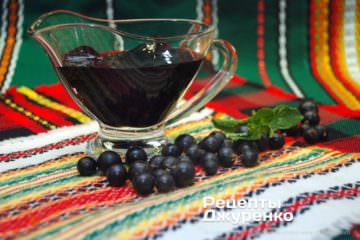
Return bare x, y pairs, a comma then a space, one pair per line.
32, 30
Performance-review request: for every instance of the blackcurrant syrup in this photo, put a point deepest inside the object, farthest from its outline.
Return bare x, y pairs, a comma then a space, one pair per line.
136, 88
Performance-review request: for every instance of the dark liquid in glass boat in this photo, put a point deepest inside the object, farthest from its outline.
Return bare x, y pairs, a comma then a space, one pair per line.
136, 88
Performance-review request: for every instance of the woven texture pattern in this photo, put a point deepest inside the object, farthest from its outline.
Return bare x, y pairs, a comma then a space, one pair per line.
42, 195
287, 50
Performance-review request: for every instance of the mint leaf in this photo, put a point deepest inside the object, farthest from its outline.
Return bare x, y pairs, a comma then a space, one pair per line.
236, 136
257, 131
285, 117
265, 121
263, 116
227, 124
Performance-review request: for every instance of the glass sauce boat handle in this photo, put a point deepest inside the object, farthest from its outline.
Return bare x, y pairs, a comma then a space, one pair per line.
214, 85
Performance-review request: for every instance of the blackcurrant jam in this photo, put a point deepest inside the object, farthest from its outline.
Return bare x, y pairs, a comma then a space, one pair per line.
135, 88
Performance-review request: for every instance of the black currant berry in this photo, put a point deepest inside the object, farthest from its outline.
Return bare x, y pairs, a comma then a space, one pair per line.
116, 175
165, 183
139, 167
144, 184
87, 166
183, 173
195, 153
322, 132
263, 143
308, 105
246, 145
210, 164
249, 158
311, 118
107, 159
220, 136
226, 157
277, 141
184, 141
156, 161
135, 153
311, 135
171, 150
210, 144
169, 162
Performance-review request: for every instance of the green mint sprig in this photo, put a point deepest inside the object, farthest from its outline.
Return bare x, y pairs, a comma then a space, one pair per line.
265, 121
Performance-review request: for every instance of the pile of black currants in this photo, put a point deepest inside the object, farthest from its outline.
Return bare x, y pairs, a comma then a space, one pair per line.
163, 172
311, 129
174, 166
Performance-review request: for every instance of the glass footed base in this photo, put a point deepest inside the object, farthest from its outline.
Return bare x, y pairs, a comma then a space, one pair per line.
98, 145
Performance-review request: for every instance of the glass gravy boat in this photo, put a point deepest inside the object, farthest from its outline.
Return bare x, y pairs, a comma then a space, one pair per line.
131, 75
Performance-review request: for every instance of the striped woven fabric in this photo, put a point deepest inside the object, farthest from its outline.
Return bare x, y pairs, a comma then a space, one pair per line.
43, 197
310, 48
287, 50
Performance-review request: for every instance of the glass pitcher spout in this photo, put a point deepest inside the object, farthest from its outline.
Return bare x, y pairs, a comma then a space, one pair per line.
131, 75
145, 29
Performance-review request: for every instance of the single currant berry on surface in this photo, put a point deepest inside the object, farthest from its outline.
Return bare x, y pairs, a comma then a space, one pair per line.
165, 183
227, 143
144, 184
238, 144
322, 132
246, 145
210, 144
86, 166
107, 159
226, 157
134, 154
311, 118
195, 153
210, 164
139, 167
183, 173
184, 141
158, 172
171, 150
156, 161
249, 158
116, 175
220, 136
263, 143
169, 162
277, 141
311, 135
242, 129
184, 158
308, 105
